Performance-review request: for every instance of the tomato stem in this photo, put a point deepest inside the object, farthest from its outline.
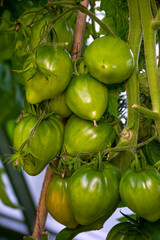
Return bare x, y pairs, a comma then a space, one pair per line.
132, 87
83, 9
137, 163
149, 34
150, 114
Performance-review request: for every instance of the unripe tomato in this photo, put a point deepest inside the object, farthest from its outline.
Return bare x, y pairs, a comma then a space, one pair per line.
58, 105
43, 146
61, 31
82, 137
92, 192
140, 191
87, 97
52, 75
109, 60
57, 201
130, 231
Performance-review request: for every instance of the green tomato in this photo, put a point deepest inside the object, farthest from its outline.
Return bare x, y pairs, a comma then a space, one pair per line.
140, 191
52, 75
87, 97
92, 192
109, 60
43, 146
57, 201
58, 106
61, 32
82, 137
130, 231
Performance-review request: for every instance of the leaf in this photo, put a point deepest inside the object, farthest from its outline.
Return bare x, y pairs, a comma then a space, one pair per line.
143, 84
3, 195
113, 103
116, 16
7, 92
7, 38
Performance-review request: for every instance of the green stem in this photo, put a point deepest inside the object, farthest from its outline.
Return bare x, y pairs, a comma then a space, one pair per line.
83, 9
130, 133
129, 147
137, 163
132, 86
150, 55
157, 17
154, 7
155, 24
150, 114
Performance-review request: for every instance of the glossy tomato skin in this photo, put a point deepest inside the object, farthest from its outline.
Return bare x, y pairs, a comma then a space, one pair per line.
92, 192
109, 60
87, 97
82, 137
33, 166
140, 191
47, 141
58, 106
52, 76
57, 201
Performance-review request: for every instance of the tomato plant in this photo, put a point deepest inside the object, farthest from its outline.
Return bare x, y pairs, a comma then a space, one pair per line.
89, 101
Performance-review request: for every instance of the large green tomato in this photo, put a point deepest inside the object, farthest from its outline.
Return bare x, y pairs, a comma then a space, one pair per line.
51, 76
43, 146
57, 201
87, 97
109, 60
92, 192
82, 137
140, 191
129, 231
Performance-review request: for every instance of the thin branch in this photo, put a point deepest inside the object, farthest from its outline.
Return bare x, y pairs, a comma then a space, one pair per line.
149, 113
79, 33
41, 209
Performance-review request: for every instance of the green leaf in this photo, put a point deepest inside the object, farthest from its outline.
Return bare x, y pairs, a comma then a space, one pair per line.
117, 16
3, 195
143, 84
7, 37
10, 100
113, 103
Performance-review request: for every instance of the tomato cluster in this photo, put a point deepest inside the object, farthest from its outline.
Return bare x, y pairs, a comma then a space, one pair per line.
64, 117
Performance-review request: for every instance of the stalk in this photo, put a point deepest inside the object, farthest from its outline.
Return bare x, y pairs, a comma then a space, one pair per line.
132, 86
149, 33
130, 132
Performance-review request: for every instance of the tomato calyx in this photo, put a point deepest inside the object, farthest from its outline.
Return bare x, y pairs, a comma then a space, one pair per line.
79, 67
139, 162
